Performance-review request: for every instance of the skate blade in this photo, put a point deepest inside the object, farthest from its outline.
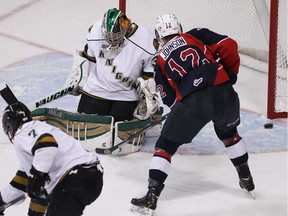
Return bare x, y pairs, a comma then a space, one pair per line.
142, 211
252, 194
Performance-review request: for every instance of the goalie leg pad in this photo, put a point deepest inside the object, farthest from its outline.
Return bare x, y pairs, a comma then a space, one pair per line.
92, 131
123, 130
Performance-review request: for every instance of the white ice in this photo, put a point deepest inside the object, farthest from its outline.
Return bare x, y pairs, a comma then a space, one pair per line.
37, 38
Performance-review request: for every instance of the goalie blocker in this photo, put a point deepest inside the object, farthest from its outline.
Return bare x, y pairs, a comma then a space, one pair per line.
98, 133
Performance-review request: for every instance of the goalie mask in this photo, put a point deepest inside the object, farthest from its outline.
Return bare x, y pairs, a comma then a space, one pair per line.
14, 116
166, 25
114, 27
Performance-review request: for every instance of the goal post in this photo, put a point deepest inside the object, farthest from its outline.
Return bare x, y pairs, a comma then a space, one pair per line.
278, 60
122, 6
259, 27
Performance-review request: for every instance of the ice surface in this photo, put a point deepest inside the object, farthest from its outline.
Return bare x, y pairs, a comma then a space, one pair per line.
37, 40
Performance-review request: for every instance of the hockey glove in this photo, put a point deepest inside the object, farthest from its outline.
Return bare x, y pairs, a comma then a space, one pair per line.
35, 186
149, 102
232, 76
1, 204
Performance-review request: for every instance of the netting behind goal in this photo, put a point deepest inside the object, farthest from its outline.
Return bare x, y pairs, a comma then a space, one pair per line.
246, 21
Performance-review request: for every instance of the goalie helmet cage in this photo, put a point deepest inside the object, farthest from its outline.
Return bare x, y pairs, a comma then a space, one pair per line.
262, 42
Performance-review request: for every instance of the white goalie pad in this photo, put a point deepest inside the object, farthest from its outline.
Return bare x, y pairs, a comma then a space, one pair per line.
101, 139
95, 134
92, 131
79, 71
99, 132
123, 130
149, 102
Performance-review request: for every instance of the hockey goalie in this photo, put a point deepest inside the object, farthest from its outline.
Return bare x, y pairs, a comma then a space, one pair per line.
115, 78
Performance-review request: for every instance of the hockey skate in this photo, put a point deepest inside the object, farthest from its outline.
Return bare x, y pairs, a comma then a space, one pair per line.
247, 183
246, 179
146, 205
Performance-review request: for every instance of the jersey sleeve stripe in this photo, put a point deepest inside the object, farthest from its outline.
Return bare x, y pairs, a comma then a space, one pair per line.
37, 205
20, 181
45, 140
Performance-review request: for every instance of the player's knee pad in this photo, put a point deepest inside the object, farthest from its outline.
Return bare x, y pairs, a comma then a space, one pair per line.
232, 140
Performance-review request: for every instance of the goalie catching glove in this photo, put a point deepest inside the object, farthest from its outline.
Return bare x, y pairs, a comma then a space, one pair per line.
148, 103
79, 72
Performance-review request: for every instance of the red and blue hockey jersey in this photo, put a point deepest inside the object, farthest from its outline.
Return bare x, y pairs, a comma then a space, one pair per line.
194, 60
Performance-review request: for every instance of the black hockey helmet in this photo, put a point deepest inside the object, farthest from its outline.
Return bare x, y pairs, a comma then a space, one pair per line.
14, 116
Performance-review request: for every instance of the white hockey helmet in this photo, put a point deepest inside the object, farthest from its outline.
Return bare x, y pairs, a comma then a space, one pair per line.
166, 25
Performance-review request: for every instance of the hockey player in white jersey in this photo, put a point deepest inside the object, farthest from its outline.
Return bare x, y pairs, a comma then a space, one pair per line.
54, 168
115, 60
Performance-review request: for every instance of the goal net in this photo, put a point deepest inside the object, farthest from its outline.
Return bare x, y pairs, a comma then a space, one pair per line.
246, 21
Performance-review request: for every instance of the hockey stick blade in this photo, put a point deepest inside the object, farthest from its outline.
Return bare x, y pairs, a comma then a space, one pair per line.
114, 148
8, 95
16, 200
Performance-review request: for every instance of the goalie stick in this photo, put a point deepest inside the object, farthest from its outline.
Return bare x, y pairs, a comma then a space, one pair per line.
77, 76
118, 146
52, 96
12, 202
10, 98
8, 95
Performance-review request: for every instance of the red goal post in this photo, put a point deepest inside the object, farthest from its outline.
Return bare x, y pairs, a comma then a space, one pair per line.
278, 60
259, 27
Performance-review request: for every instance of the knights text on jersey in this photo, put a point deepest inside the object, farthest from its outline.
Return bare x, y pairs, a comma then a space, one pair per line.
188, 63
116, 71
49, 150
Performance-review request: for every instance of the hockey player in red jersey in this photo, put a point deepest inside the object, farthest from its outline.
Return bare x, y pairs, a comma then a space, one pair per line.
195, 73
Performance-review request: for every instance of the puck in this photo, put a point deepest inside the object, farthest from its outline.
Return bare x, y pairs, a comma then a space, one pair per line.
268, 125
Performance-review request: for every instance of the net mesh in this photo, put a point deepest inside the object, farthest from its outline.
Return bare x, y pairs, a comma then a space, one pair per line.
246, 21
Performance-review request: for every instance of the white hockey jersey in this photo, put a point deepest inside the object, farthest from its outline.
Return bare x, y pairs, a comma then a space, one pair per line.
56, 154
116, 71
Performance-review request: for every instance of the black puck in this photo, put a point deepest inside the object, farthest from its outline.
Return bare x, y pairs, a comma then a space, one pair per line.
268, 125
